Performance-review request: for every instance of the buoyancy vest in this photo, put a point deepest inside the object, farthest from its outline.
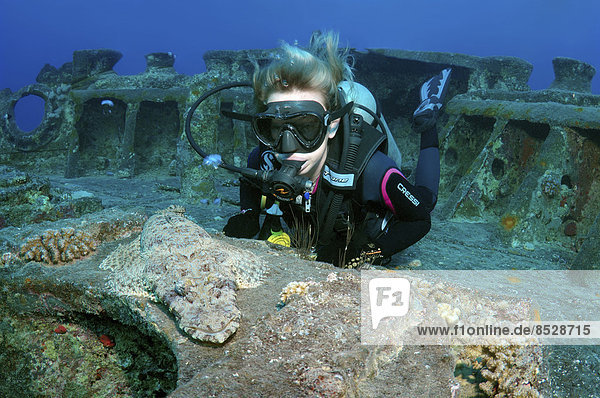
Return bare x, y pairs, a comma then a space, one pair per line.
345, 164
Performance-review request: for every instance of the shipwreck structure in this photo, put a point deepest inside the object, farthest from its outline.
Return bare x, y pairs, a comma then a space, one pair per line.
524, 160
85, 288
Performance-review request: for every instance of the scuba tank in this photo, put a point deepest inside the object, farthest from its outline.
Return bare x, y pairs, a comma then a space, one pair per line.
367, 107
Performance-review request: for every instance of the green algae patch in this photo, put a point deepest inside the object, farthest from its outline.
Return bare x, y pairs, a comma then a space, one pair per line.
61, 357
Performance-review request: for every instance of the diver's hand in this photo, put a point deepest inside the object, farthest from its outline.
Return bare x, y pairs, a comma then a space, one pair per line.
243, 225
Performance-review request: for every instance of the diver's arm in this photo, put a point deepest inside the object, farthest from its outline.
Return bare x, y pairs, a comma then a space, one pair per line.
246, 223
407, 201
391, 191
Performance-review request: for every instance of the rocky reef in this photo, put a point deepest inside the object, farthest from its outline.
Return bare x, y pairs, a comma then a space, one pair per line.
84, 356
27, 199
297, 332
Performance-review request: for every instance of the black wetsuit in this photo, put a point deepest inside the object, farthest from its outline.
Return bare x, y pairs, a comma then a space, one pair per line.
386, 211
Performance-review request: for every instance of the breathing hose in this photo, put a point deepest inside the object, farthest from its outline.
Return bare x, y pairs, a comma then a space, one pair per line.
250, 173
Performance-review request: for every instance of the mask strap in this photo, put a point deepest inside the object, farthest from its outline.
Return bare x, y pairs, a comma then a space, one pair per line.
340, 112
238, 116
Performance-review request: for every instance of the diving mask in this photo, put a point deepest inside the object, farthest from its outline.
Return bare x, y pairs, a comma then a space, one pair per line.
290, 126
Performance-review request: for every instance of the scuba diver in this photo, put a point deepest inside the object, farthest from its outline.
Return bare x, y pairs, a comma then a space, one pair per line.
357, 204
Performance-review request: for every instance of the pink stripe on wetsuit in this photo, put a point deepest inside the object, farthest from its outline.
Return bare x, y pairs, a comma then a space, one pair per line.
386, 198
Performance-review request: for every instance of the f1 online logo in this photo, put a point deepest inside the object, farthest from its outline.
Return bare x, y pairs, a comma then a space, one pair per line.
388, 297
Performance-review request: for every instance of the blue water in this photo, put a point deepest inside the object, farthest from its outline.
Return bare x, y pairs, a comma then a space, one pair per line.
36, 32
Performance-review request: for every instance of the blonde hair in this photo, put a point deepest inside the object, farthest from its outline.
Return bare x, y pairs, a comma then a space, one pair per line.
321, 67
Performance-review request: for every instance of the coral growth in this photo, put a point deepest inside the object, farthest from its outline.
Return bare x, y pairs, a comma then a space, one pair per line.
41, 359
550, 185
28, 199
510, 371
528, 149
8, 259
449, 314
299, 288
58, 246
107, 341
177, 262
571, 229
69, 243
509, 221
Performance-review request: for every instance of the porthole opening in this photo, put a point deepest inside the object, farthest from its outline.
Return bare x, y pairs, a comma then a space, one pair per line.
29, 112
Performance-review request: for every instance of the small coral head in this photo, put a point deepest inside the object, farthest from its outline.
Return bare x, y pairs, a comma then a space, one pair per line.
550, 186
60, 329
508, 222
107, 341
